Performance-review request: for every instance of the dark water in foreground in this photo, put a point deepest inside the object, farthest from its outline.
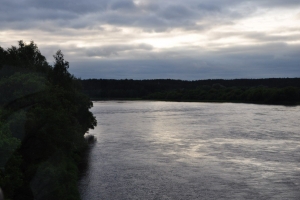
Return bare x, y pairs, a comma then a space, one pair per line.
170, 150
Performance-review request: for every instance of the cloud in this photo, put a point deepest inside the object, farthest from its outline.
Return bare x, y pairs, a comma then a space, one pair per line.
279, 3
189, 39
177, 12
115, 50
185, 69
123, 5
73, 6
269, 60
148, 15
262, 37
154, 14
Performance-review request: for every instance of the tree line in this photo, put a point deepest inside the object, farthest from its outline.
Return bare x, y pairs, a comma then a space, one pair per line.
267, 91
43, 118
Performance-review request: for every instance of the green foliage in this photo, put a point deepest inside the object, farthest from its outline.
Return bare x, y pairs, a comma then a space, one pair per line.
11, 179
45, 108
8, 144
56, 178
60, 75
10, 161
21, 84
24, 56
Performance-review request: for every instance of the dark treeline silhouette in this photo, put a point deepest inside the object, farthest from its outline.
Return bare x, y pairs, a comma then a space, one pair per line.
43, 118
270, 91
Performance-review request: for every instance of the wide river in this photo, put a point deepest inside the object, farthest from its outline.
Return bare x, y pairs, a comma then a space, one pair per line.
171, 150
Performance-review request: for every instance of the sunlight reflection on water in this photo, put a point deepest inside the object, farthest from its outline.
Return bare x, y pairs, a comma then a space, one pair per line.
171, 150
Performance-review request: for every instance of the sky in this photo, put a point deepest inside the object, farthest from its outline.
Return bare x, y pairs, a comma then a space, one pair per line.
154, 39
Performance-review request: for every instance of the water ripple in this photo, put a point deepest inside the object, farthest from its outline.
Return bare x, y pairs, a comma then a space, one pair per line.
170, 150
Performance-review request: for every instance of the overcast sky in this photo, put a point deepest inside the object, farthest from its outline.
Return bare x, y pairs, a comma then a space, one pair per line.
150, 39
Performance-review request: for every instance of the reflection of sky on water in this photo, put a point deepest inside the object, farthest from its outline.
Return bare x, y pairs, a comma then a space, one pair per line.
169, 150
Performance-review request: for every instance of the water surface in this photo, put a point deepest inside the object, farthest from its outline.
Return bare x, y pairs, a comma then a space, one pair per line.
171, 150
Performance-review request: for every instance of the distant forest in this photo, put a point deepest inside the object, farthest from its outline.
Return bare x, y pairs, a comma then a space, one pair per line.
266, 91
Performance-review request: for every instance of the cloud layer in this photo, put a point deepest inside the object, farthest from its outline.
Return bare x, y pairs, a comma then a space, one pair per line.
141, 39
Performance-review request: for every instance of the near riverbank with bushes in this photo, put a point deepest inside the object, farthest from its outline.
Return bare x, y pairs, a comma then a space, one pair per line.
43, 118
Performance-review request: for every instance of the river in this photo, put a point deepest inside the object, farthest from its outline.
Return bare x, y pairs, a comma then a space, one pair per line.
175, 150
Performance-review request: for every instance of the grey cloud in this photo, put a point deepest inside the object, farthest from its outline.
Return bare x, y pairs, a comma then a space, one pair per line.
63, 21
114, 50
76, 6
279, 3
270, 60
177, 12
268, 49
257, 3
161, 17
261, 37
148, 15
123, 5
152, 22
186, 69
209, 8
92, 6
149, 6
155, 15
135, 69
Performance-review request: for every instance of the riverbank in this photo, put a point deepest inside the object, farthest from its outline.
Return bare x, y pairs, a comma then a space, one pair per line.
260, 91
208, 101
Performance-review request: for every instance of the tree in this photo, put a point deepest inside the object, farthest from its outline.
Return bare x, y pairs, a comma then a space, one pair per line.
55, 116
60, 74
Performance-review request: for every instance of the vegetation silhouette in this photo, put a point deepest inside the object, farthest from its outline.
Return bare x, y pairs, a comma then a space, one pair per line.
266, 91
43, 118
